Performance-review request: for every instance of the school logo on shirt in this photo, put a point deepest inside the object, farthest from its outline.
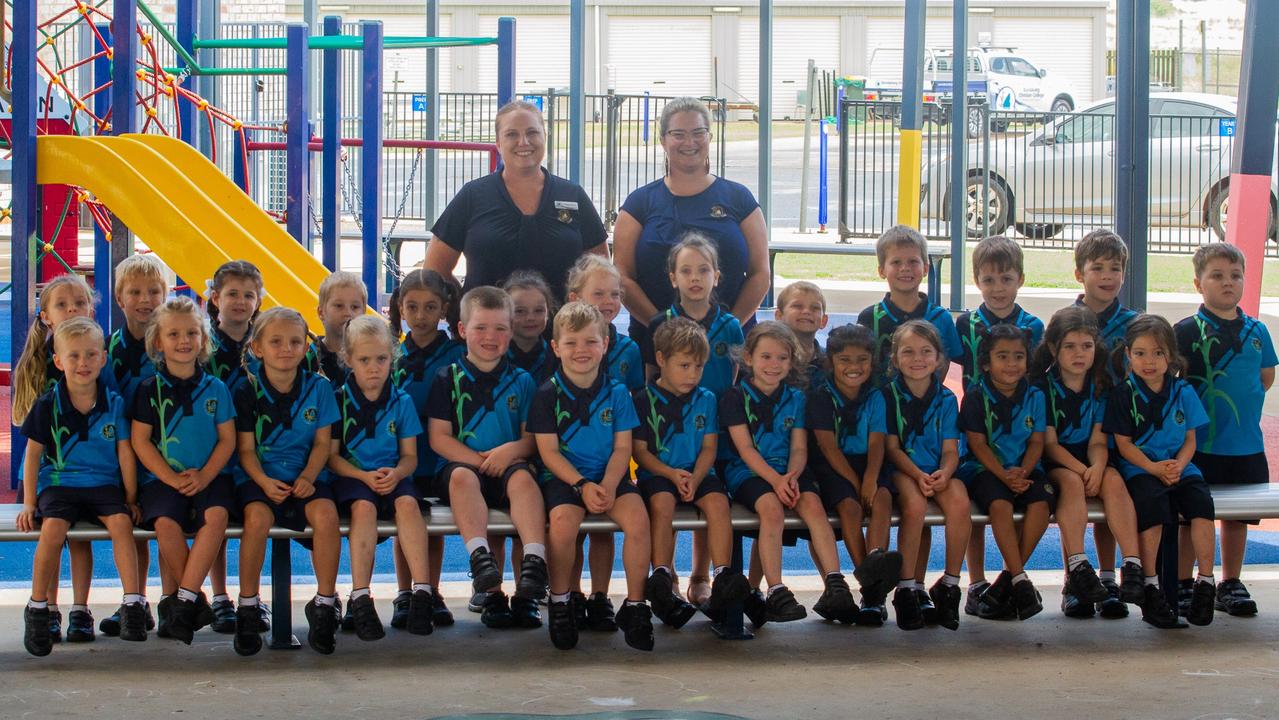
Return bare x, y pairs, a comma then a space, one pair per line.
512, 402
721, 349
699, 422
624, 367
788, 422
108, 431
606, 416
1030, 423
717, 211
1048, 488
390, 427
1256, 344
211, 406
564, 216
1180, 418
310, 414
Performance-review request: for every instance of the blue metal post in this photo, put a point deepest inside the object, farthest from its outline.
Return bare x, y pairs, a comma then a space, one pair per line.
26, 193
371, 157
208, 28
576, 90
432, 113
239, 172
187, 17
124, 109
103, 272
298, 135
765, 192
331, 160
823, 169
505, 60
644, 130
910, 157
958, 148
1132, 145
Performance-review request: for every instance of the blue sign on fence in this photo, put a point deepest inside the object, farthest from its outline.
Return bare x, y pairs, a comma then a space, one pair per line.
419, 103
535, 99
1227, 127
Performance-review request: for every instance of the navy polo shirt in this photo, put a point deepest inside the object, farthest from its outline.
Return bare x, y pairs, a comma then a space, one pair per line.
184, 415
80, 450
1007, 421
770, 420
921, 424
674, 426
128, 363
884, 317
484, 224
816, 369
319, 359
1224, 363
584, 420
1157, 423
970, 325
723, 334
51, 372
283, 423
1113, 321
852, 420
370, 430
485, 409
623, 362
540, 362
229, 357
414, 373
1072, 414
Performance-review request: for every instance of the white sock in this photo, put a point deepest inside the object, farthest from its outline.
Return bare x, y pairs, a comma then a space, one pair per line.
357, 593
1108, 575
974, 585
1205, 578
403, 593
774, 588
906, 584
422, 586
1019, 577
715, 573
221, 596
537, 550
476, 543
134, 598
38, 604
326, 600
1076, 560
248, 601
1132, 559
629, 601
559, 597
187, 595
951, 580
918, 585
1152, 580
85, 608
53, 607
663, 568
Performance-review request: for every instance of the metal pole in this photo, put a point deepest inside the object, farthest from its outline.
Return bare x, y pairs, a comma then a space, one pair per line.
505, 60
842, 126
311, 16
103, 275
124, 110
808, 148
298, 131
766, 114
823, 182
552, 147
911, 142
187, 16
371, 158
958, 151
331, 159
576, 91
26, 194
209, 28
1132, 146
1203, 56
429, 179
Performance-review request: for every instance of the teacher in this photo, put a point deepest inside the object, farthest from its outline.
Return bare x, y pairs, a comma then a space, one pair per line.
656, 216
520, 218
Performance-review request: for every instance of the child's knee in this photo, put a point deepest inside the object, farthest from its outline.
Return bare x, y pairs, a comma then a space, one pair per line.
770, 511
462, 477
363, 511
322, 514
216, 518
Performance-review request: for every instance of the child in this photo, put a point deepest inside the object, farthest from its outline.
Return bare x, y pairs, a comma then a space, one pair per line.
596, 281
903, 261
1073, 380
922, 444
582, 423
183, 435
36, 373
763, 418
1002, 417
801, 306
373, 456
283, 418
1230, 362
79, 466
675, 448
343, 298
846, 418
534, 306
1153, 415
477, 409
421, 301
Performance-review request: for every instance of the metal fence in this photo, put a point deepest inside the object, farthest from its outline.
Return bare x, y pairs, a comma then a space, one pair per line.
1045, 180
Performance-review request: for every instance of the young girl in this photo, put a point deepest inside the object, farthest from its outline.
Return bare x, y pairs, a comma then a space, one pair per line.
421, 301
183, 435
283, 419
846, 418
534, 305
65, 297
1152, 415
373, 456
596, 281
342, 297
1077, 458
763, 416
79, 466
922, 444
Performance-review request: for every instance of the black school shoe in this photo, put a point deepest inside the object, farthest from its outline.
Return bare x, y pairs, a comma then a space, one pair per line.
110, 626
322, 624
1131, 583
1233, 598
728, 588
419, 619
476, 603
1072, 606
599, 613
163, 611
836, 601
264, 617
497, 611
635, 620
525, 613
36, 638
225, 618
532, 582
997, 601
204, 616
946, 599
368, 626
247, 641
906, 606
1185, 592
347, 620
877, 574
781, 605
485, 574
927, 609
1202, 599
1085, 583
400, 609
870, 615
577, 603
670, 608
1026, 600
55, 626
562, 625
1155, 610
441, 616
973, 603
182, 619
80, 626
133, 622
755, 608
1113, 607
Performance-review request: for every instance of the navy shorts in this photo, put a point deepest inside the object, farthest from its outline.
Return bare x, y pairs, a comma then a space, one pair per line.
290, 514
1158, 504
557, 492
834, 488
492, 488
985, 488
161, 501
347, 490
650, 485
1079, 451
755, 487
1234, 469
76, 503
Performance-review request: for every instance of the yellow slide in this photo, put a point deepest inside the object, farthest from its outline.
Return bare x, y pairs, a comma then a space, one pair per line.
190, 214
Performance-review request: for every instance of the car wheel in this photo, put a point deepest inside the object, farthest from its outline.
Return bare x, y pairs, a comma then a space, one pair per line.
1037, 231
998, 126
1219, 209
974, 123
985, 215
1062, 105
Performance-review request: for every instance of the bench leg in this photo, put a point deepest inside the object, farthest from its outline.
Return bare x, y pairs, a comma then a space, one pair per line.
734, 625
1168, 554
282, 637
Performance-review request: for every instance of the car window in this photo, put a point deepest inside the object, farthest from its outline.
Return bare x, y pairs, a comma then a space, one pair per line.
999, 65
1180, 118
1017, 66
1097, 125
944, 64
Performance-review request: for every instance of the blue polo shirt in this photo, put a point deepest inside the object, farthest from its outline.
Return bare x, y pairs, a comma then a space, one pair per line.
970, 325
414, 373
884, 317
1224, 363
921, 424
1007, 421
283, 423
584, 420
539, 362
1072, 414
770, 420
128, 363
370, 430
184, 415
852, 420
485, 409
723, 334
319, 359
1113, 321
80, 450
1156, 422
623, 362
674, 426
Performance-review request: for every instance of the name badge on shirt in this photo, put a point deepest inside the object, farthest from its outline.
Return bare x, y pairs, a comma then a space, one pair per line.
565, 205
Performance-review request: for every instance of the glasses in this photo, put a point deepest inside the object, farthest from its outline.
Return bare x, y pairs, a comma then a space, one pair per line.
699, 134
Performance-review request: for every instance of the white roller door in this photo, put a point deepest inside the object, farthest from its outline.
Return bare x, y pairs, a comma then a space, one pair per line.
891, 33
662, 55
1062, 46
541, 54
409, 66
796, 40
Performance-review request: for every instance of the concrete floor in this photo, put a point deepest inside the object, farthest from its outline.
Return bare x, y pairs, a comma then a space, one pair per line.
1046, 667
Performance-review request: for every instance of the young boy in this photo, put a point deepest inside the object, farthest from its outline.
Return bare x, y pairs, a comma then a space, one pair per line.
343, 297
1231, 364
675, 447
801, 306
903, 261
582, 422
477, 409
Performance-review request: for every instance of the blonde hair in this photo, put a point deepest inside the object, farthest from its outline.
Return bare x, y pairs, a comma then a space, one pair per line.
76, 328
798, 287
680, 105
586, 266
140, 268
922, 329
681, 335
1216, 251
171, 308
579, 315
486, 297
30, 374
367, 327
341, 279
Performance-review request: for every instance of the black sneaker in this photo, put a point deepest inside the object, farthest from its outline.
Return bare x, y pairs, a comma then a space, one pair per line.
728, 587
532, 583
562, 625
1202, 599
906, 605
485, 574
1027, 600
946, 599
836, 601
877, 574
997, 601
441, 616
497, 611
247, 641
80, 626
1112, 608
225, 618
635, 620
133, 622
322, 622
110, 625
1233, 598
659, 590
204, 616
419, 616
182, 619
476, 603
348, 619
163, 611
368, 626
400, 609
264, 617
781, 606
1073, 607
926, 607
55, 626
972, 603
36, 638
525, 612
1155, 610
870, 615
755, 607
599, 613
577, 603
1131, 583
1085, 583
1185, 592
